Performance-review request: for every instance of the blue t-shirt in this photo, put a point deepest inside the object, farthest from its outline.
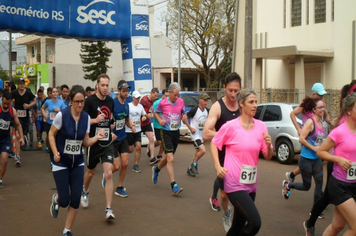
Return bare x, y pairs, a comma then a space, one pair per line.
155, 121
121, 111
51, 108
37, 109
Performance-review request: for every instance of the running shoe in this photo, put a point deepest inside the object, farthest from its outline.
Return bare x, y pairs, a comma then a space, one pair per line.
136, 168
148, 151
285, 189
1, 185
154, 175
84, 199
308, 231
103, 181
120, 191
54, 206
321, 216
195, 168
190, 172
68, 233
289, 179
227, 219
154, 160
214, 204
109, 215
12, 154
176, 189
17, 161
159, 157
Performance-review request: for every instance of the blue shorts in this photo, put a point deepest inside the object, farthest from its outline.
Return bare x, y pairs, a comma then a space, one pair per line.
5, 145
40, 126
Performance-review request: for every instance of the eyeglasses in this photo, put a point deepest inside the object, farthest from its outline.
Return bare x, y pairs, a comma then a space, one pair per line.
78, 102
321, 107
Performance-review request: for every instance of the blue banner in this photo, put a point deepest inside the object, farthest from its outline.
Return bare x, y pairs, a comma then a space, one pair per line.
89, 19
142, 69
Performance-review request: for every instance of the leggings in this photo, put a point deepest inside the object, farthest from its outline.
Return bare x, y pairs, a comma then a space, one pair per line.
244, 211
69, 184
309, 168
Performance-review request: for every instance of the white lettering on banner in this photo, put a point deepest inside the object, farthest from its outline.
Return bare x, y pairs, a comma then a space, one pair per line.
138, 48
125, 48
93, 15
41, 14
143, 25
144, 70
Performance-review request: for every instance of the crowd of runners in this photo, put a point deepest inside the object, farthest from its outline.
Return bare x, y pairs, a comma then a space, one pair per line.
87, 127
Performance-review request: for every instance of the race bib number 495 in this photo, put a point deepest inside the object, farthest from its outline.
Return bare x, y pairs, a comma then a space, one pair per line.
248, 174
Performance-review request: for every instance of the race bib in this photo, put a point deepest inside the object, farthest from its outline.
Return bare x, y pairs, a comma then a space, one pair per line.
21, 113
248, 174
73, 147
174, 125
201, 125
136, 120
120, 124
52, 115
106, 132
351, 173
319, 140
4, 125
39, 113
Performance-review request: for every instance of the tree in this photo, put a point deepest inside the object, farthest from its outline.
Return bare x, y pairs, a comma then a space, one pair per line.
3, 75
207, 33
95, 56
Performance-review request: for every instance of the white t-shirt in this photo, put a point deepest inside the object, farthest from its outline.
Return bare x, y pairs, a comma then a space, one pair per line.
136, 112
197, 122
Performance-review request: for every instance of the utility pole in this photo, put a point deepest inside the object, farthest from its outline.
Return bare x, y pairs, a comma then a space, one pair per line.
179, 36
248, 43
10, 56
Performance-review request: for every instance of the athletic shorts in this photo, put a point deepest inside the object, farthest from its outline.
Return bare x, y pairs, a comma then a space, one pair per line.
132, 138
340, 191
5, 145
147, 128
25, 124
40, 125
170, 140
47, 127
120, 147
158, 134
197, 143
97, 153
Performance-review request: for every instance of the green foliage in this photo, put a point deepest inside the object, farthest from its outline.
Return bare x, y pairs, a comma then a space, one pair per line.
3, 75
94, 56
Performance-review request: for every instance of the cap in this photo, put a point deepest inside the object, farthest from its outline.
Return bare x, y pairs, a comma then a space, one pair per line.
123, 86
21, 80
319, 89
136, 94
204, 96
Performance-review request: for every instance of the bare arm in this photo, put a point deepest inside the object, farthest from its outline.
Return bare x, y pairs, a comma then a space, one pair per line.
27, 106
52, 140
87, 142
220, 171
324, 154
18, 126
43, 110
209, 126
293, 117
269, 153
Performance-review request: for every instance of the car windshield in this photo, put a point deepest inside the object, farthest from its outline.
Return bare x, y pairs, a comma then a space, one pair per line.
190, 100
299, 116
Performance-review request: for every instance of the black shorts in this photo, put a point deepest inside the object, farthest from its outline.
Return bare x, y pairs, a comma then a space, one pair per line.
170, 140
132, 138
25, 123
47, 127
197, 143
120, 147
158, 134
147, 128
5, 145
340, 191
97, 153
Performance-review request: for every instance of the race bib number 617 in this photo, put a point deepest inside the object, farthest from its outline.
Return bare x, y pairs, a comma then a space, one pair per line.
248, 174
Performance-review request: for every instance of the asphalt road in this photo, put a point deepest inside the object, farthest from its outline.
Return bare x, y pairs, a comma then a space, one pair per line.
149, 209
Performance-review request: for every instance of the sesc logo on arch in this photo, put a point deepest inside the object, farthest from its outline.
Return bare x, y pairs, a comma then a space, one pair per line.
142, 69
97, 12
140, 25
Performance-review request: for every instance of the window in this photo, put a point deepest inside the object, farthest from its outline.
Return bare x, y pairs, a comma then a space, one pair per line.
272, 113
190, 100
33, 51
320, 11
258, 112
296, 12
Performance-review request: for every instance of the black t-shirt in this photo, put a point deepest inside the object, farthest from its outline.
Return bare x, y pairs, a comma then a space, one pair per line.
94, 106
26, 98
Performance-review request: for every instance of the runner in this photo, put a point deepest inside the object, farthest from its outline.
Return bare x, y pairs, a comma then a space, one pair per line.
49, 96
342, 183
198, 116
7, 115
309, 163
137, 114
225, 109
64, 94
24, 100
100, 107
147, 103
157, 127
121, 147
37, 115
172, 109
241, 160
68, 167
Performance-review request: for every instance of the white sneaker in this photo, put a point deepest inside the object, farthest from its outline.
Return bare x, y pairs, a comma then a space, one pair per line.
290, 179
109, 215
84, 199
227, 219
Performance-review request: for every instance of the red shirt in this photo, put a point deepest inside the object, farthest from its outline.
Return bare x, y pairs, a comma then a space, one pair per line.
148, 106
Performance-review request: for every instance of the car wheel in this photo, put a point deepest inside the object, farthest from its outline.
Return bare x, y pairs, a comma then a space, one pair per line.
285, 151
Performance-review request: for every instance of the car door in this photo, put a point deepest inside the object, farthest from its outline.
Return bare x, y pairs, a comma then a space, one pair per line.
272, 117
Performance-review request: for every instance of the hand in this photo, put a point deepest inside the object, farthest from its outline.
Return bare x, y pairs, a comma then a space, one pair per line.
112, 126
144, 118
162, 122
114, 136
316, 148
133, 128
57, 157
22, 142
267, 139
193, 131
100, 117
149, 115
26, 106
57, 109
185, 118
344, 163
101, 134
221, 172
